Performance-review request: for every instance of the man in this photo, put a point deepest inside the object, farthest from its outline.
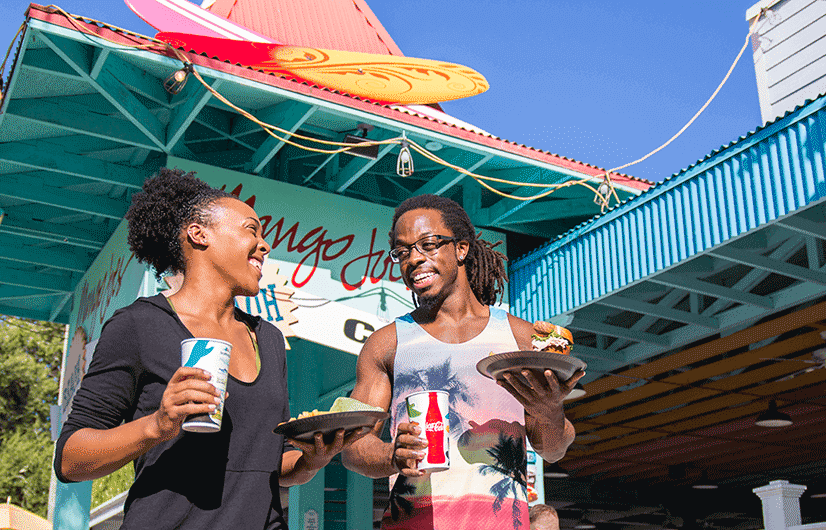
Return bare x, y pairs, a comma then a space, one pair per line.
455, 279
543, 517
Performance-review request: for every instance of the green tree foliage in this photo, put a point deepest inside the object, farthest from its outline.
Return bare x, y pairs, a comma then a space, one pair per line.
107, 487
30, 357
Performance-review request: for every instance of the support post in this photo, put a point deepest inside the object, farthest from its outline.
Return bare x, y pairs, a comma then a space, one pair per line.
781, 504
72, 505
306, 508
359, 502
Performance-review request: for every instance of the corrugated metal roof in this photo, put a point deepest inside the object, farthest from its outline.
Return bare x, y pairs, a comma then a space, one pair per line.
656, 187
332, 24
756, 180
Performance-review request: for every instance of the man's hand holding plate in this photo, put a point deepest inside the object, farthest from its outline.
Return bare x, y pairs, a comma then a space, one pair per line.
540, 393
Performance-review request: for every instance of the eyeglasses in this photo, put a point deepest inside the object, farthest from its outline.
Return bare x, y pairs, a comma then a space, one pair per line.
427, 246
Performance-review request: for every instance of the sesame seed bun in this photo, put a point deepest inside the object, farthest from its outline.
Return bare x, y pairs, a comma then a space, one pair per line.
546, 329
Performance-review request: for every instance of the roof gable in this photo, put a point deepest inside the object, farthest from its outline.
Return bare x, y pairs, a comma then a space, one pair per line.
332, 24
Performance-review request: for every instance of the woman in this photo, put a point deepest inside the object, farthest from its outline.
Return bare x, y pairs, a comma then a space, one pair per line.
136, 395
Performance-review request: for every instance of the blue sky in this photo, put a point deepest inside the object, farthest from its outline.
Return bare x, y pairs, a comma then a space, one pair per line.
603, 82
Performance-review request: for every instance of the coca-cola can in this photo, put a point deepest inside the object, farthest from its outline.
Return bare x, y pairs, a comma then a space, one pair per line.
430, 410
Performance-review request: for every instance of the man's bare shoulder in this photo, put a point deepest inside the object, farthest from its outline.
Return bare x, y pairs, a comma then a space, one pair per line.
522, 331
380, 347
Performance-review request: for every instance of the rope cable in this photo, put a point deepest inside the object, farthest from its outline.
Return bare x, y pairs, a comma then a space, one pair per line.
6, 58
604, 200
719, 87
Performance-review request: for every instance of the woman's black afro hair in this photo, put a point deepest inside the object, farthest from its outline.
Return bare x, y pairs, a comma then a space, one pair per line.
170, 200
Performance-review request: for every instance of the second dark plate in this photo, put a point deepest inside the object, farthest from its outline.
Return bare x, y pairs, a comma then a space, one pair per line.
564, 366
327, 424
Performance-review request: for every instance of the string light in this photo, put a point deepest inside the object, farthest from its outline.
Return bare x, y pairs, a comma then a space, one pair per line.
158, 46
603, 193
404, 164
177, 81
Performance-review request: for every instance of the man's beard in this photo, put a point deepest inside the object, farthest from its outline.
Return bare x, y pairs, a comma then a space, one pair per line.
429, 301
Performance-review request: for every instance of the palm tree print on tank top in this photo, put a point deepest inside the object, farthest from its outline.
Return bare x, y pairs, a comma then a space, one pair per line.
485, 487
438, 377
511, 463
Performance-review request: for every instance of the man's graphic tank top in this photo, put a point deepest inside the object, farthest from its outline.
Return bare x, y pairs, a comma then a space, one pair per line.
485, 487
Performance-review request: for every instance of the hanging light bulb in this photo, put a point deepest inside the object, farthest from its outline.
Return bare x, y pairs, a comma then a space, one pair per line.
585, 524
176, 82
704, 483
555, 471
603, 193
404, 164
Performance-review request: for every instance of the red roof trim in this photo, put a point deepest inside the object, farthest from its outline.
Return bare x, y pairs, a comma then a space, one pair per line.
54, 17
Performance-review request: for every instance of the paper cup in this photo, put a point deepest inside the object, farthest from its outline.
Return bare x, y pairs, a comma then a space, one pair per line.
430, 410
211, 355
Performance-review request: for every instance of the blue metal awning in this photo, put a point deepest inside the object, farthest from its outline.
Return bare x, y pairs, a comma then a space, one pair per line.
736, 237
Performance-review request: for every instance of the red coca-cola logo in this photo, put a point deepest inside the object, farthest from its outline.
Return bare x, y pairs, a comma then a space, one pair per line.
436, 426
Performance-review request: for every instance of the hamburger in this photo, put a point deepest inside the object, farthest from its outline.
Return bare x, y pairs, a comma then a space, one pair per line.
548, 337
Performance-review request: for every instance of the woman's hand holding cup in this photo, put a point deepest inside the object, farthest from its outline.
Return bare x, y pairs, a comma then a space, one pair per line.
188, 392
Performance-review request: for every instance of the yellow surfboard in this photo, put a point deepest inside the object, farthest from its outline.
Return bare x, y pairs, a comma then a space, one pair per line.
381, 78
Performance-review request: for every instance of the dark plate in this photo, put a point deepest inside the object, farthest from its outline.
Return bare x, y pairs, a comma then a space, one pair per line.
564, 366
328, 424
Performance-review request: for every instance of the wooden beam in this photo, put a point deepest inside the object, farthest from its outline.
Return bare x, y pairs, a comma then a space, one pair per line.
551, 209
42, 156
601, 328
776, 266
289, 116
688, 419
667, 313
64, 115
803, 226
31, 188
138, 80
183, 115
505, 207
64, 283
358, 165
23, 224
25, 313
79, 58
62, 259
45, 61
711, 289
760, 332
449, 177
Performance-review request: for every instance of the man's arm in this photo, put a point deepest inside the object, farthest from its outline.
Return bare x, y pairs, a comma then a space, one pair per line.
370, 456
549, 432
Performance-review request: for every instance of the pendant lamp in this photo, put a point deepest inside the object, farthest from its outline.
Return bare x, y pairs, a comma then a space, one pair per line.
773, 417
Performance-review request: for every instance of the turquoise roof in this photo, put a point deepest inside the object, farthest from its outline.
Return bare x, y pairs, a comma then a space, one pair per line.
737, 236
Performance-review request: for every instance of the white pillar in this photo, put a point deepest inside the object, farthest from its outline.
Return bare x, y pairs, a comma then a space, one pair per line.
781, 504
